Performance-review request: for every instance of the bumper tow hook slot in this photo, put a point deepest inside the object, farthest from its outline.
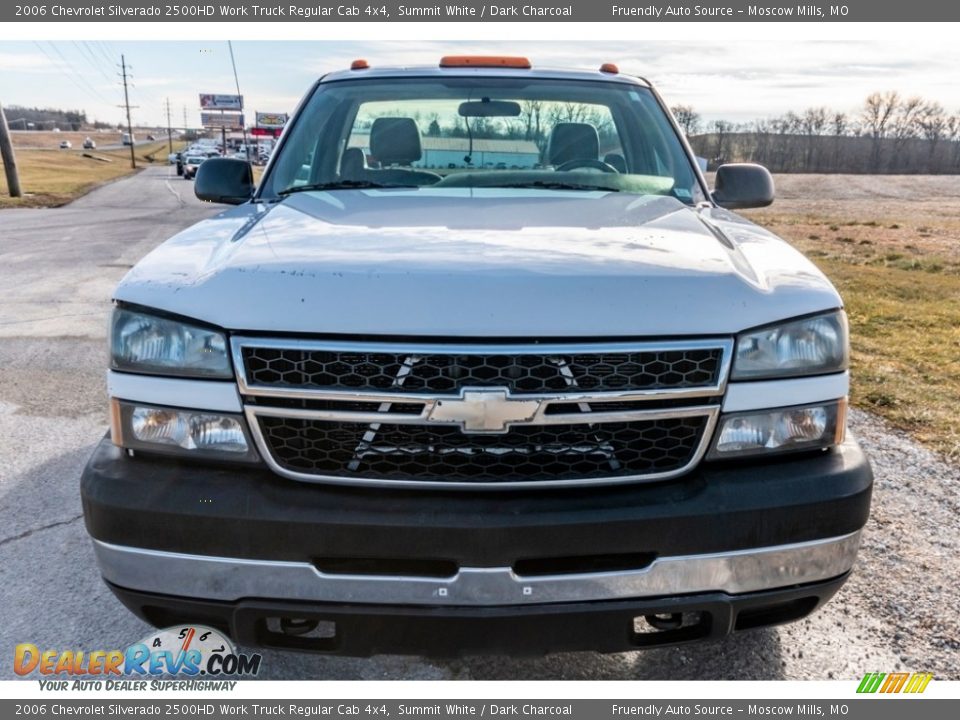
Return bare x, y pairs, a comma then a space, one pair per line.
297, 626
665, 622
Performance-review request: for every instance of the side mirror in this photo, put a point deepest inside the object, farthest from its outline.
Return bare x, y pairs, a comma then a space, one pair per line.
741, 185
224, 180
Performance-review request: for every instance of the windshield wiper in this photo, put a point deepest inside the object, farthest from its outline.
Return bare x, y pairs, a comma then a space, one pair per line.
339, 185
555, 185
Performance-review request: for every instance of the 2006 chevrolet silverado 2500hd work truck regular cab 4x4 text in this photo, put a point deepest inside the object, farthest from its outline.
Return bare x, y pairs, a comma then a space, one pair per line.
481, 365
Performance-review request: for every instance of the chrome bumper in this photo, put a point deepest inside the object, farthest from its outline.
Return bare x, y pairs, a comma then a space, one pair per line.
229, 579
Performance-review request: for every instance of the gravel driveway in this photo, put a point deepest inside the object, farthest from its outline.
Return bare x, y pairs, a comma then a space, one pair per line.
901, 609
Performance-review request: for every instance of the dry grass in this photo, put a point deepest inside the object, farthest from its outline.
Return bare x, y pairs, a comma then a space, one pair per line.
892, 247
50, 178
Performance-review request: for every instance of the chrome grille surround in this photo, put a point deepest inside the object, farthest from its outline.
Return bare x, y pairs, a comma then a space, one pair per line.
482, 410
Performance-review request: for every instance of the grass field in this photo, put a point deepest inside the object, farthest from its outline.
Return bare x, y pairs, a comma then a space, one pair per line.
52, 177
892, 247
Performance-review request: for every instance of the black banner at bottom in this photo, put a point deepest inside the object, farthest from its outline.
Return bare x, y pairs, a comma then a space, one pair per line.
874, 708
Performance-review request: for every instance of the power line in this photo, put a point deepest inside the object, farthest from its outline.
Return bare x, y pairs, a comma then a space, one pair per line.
78, 76
103, 50
92, 60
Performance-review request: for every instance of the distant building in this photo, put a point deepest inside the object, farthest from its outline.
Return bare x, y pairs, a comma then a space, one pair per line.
443, 152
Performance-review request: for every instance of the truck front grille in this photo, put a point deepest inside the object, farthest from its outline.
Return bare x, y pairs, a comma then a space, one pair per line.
528, 453
447, 373
469, 415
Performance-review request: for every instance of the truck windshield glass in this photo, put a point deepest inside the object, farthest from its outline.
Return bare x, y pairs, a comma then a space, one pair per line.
466, 132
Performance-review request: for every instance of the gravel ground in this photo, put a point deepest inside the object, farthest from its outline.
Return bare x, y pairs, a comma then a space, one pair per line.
899, 610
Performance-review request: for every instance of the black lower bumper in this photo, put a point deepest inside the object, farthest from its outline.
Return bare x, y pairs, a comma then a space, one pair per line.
364, 630
249, 512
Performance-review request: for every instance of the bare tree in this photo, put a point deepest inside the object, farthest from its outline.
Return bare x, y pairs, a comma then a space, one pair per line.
687, 118
839, 124
530, 113
721, 129
877, 111
812, 123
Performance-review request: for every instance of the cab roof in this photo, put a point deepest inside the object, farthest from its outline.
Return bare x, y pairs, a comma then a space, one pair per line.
436, 71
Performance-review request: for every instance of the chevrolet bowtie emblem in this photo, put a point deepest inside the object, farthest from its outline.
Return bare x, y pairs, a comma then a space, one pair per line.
481, 410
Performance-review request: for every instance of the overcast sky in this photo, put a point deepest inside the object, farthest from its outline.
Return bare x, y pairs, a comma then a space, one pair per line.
734, 80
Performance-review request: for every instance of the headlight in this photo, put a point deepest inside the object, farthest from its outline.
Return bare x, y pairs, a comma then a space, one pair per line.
191, 433
145, 343
812, 346
782, 430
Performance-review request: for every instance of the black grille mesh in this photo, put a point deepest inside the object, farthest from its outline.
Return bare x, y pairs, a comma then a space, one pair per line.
439, 453
442, 373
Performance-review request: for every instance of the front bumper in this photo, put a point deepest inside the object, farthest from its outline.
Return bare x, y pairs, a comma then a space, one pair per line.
361, 629
231, 545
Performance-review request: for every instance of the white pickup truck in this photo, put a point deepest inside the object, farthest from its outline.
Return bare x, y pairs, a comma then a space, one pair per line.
482, 364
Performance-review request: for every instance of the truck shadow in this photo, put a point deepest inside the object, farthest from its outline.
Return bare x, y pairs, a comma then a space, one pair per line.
753, 655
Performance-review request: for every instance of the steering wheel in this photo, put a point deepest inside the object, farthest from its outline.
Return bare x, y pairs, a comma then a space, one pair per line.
587, 163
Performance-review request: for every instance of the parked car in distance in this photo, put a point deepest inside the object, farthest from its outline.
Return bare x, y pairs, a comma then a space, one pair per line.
151, 138
127, 139
65, 145
191, 164
89, 144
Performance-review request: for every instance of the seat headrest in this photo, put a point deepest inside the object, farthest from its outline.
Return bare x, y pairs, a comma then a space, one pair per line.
353, 163
395, 141
573, 141
616, 160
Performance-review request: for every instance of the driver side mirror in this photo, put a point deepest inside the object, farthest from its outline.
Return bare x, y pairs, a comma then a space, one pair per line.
224, 180
742, 185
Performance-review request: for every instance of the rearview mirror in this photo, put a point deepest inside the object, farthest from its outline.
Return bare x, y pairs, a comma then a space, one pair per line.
224, 180
489, 108
743, 185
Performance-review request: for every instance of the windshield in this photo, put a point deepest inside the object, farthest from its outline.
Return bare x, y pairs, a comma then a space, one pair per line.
483, 132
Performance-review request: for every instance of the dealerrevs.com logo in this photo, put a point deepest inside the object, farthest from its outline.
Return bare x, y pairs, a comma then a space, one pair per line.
184, 651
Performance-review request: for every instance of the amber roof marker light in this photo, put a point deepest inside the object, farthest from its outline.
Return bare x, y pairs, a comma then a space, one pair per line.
450, 61
360, 64
610, 68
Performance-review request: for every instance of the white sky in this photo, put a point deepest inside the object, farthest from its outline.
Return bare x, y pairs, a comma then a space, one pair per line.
724, 77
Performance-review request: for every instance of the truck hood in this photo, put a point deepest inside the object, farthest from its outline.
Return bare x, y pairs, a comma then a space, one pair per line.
479, 263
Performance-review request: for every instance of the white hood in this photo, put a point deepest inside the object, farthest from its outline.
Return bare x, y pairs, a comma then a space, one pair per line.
479, 263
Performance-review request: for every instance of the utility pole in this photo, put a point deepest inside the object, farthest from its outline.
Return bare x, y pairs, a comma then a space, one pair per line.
169, 131
185, 127
9, 159
126, 102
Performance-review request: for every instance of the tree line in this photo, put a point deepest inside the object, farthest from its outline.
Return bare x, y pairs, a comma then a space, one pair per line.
888, 133
34, 118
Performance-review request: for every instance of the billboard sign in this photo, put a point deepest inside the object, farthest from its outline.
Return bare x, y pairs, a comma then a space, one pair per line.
271, 120
226, 121
221, 102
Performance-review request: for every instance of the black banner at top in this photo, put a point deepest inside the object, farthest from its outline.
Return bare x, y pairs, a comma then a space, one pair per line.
479, 11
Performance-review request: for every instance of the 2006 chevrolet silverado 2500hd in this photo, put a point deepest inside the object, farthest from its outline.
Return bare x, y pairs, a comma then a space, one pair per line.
481, 365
